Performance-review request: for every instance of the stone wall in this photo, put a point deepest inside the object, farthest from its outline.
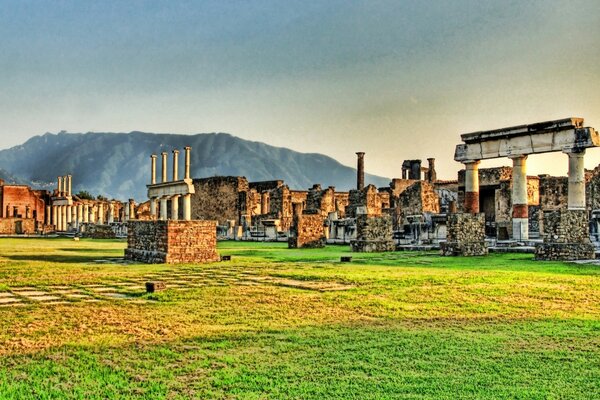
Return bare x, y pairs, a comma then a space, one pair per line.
172, 242
17, 226
219, 198
307, 231
94, 231
566, 236
465, 235
373, 234
554, 191
367, 197
19, 201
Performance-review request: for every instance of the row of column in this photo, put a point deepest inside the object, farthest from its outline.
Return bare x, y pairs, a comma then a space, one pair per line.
520, 213
65, 185
164, 214
64, 217
175, 166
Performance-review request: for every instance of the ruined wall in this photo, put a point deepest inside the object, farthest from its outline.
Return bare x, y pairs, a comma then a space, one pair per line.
17, 226
20, 201
307, 231
566, 236
341, 202
373, 234
465, 235
367, 197
554, 192
265, 186
94, 231
321, 201
172, 242
218, 198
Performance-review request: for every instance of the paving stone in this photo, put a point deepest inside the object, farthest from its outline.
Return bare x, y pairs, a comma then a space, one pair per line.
6, 294
28, 293
44, 298
116, 295
7, 300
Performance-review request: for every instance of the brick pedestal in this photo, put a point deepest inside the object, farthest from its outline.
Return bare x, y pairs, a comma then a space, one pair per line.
307, 231
373, 234
566, 236
465, 235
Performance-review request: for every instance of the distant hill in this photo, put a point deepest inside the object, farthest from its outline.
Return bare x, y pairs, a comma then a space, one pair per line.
118, 164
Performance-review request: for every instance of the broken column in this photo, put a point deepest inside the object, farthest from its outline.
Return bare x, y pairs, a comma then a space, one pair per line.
472, 187
131, 207
360, 170
431, 174
520, 212
576, 196
187, 162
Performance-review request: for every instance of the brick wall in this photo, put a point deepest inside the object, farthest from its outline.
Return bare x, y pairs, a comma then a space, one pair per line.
15, 200
14, 226
465, 235
172, 242
307, 231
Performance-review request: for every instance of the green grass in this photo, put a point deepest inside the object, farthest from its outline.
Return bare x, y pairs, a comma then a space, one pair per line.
407, 325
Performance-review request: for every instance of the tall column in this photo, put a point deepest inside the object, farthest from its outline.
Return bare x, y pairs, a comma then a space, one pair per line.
48, 219
576, 196
187, 162
153, 204
93, 210
60, 186
472, 187
187, 207
520, 213
55, 217
153, 169
127, 213
131, 207
79, 215
64, 225
86, 213
163, 209
70, 186
360, 170
175, 207
101, 214
69, 217
164, 166
264, 203
175, 165
431, 174
111, 213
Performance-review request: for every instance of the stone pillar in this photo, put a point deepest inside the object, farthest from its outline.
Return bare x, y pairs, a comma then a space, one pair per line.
431, 174
93, 214
153, 204
264, 203
163, 209
360, 170
175, 208
153, 169
101, 214
111, 213
175, 165
48, 216
520, 213
70, 185
60, 186
64, 223
69, 217
187, 207
79, 215
127, 218
472, 187
187, 162
54, 219
131, 207
86, 213
576, 197
164, 166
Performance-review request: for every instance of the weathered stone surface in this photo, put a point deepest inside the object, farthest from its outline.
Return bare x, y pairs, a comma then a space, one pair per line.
373, 234
17, 226
307, 231
172, 242
465, 235
566, 236
94, 231
156, 286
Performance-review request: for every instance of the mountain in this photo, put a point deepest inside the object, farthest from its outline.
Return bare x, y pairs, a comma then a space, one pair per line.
118, 164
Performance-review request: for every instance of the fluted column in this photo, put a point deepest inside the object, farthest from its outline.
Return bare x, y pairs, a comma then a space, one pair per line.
60, 186
55, 217
64, 223
70, 185
69, 217
48, 219
111, 213
153, 206
472, 187
86, 213
101, 214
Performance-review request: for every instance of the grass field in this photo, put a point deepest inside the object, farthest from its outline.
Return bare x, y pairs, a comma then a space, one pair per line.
279, 323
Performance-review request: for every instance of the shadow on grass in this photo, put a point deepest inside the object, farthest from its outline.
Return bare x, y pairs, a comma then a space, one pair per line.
59, 258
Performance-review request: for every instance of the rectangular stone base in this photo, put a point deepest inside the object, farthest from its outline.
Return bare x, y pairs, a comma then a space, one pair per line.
463, 248
307, 232
564, 251
372, 246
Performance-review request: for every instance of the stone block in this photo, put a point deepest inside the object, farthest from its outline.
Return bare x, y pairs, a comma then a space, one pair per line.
465, 235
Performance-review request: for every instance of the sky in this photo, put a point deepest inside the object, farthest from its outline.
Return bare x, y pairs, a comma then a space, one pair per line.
395, 79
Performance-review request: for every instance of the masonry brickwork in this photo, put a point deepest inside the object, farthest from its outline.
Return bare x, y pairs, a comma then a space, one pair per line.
566, 236
218, 198
373, 234
17, 226
172, 242
307, 231
465, 235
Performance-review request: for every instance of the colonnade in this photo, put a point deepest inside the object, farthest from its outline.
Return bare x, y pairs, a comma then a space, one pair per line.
159, 204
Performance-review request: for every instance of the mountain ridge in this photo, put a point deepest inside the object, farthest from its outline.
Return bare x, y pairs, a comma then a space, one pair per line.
118, 164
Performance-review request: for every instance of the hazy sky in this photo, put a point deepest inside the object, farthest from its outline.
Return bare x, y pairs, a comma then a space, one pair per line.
396, 79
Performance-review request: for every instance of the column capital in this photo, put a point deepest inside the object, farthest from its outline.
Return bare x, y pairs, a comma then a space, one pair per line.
470, 164
153, 156
574, 152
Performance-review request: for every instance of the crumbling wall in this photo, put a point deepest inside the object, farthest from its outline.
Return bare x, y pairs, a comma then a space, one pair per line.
94, 231
566, 236
554, 191
19, 201
17, 226
341, 202
367, 197
172, 242
417, 199
373, 234
218, 198
307, 231
465, 235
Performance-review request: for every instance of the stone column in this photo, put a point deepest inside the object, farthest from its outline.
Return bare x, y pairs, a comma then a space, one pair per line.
79, 215
131, 207
175, 207
175, 165
111, 213
187, 207
360, 170
127, 213
101, 214
54, 217
187, 162
64, 223
520, 213
48, 219
69, 217
153, 169
70, 185
60, 186
264, 203
153, 204
472, 187
93, 210
431, 173
576, 196
163, 208
164, 166
86, 213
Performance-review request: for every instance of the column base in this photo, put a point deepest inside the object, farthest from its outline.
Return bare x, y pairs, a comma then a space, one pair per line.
520, 227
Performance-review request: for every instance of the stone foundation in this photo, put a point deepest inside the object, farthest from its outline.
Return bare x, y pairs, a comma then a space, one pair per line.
17, 226
94, 231
307, 231
373, 234
566, 236
465, 235
172, 242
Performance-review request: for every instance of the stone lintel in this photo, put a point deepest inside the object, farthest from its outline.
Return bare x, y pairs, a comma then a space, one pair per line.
520, 130
181, 187
567, 140
62, 201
